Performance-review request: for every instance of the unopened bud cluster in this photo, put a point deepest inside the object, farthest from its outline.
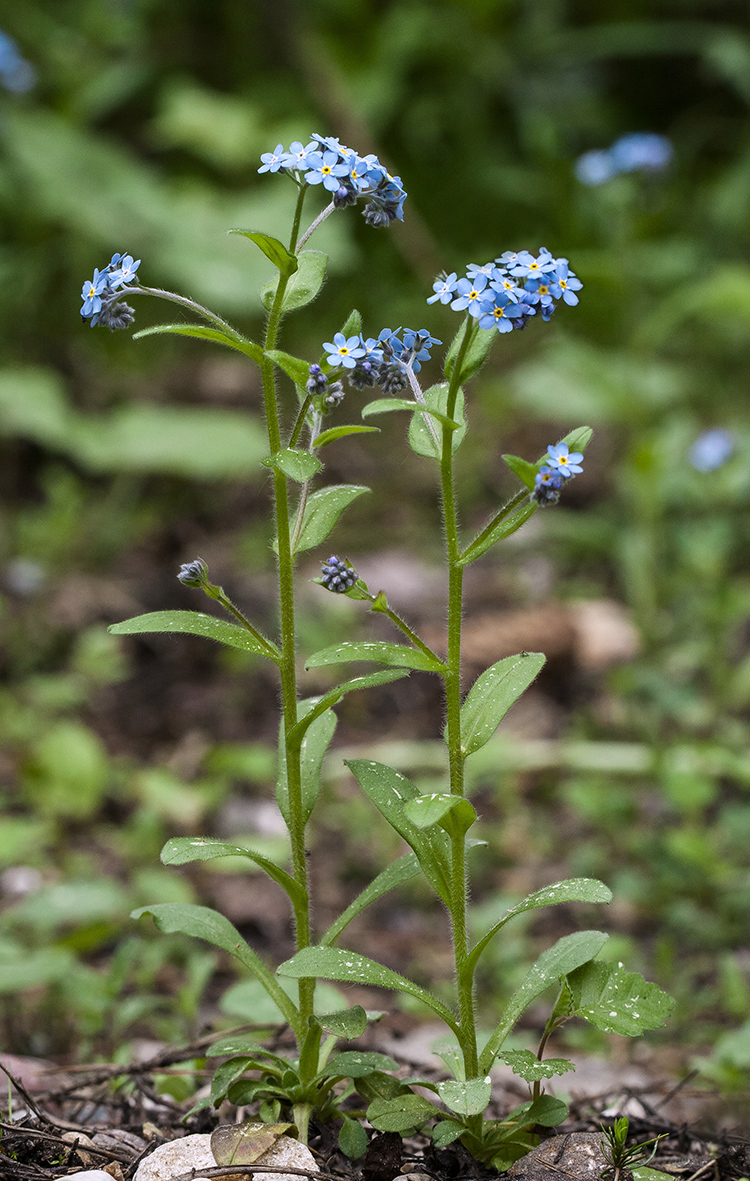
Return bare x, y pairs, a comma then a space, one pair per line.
338, 576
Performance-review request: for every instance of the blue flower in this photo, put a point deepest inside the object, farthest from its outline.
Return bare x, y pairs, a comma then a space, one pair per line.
711, 450
488, 269
91, 294
567, 463
499, 312
298, 154
595, 168
638, 151
564, 283
503, 282
16, 74
528, 266
344, 352
417, 347
469, 294
125, 270
326, 170
273, 161
641, 150
444, 286
547, 485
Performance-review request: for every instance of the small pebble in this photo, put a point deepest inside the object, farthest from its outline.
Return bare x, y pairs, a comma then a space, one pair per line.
92, 1175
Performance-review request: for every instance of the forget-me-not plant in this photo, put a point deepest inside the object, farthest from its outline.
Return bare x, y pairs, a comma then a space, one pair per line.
301, 396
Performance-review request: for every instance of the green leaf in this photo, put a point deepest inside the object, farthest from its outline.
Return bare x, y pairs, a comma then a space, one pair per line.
315, 743
420, 439
579, 439
546, 1111
528, 1066
644, 1173
508, 521
571, 890
341, 432
479, 346
618, 1001
398, 655
492, 695
400, 1113
194, 623
334, 963
323, 510
225, 1075
201, 332
466, 1098
352, 1138
352, 325
429, 809
403, 870
242, 1144
294, 367
356, 1064
389, 791
236, 1043
525, 471
388, 405
274, 250
346, 1023
303, 286
182, 850
335, 694
557, 961
446, 1132
203, 923
297, 465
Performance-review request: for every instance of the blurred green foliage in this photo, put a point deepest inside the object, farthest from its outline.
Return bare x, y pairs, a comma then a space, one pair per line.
143, 133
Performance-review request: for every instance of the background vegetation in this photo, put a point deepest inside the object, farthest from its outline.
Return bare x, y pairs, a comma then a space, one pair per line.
137, 126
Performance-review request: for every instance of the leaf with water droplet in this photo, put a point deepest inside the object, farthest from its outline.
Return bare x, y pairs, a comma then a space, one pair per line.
528, 1067
617, 1001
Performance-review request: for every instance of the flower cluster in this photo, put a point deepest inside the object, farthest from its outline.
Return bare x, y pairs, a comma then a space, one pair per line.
344, 173
384, 361
561, 464
507, 292
102, 303
639, 151
338, 576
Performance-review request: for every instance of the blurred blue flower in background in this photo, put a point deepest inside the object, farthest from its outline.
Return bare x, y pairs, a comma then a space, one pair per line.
639, 151
16, 73
711, 449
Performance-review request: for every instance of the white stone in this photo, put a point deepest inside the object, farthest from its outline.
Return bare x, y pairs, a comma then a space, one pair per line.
194, 1152
92, 1175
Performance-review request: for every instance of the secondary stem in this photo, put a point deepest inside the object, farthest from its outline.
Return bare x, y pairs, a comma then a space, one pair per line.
288, 633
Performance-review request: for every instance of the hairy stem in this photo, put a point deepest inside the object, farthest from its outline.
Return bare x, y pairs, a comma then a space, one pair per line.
456, 756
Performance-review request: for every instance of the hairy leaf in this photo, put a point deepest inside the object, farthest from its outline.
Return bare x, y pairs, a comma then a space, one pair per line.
398, 655
194, 623
492, 695
323, 510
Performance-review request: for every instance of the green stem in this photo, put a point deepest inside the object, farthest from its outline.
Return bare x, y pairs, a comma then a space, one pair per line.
456, 756
403, 626
198, 308
219, 594
287, 645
